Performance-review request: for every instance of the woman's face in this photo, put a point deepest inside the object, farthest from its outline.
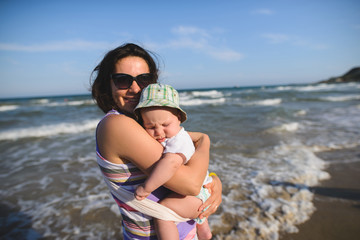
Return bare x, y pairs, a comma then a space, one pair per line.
127, 99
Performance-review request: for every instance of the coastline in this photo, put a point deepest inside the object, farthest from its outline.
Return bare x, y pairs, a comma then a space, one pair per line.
337, 200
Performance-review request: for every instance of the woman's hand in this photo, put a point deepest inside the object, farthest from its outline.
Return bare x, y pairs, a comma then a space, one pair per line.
215, 188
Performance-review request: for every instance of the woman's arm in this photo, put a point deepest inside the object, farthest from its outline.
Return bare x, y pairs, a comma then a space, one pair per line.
121, 140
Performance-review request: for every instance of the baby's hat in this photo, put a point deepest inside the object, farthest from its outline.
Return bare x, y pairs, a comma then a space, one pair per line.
159, 95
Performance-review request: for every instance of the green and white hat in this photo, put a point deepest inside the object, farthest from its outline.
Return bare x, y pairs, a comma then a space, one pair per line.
159, 95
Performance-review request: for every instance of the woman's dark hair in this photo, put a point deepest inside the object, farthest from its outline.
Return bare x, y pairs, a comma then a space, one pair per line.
101, 87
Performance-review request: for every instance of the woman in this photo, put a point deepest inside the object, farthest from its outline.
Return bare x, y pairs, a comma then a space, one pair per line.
126, 153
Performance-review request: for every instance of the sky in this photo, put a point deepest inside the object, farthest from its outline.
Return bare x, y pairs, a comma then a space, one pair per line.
51, 47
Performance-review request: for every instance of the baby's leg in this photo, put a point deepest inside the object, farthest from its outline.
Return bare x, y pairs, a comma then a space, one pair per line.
203, 230
166, 229
185, 206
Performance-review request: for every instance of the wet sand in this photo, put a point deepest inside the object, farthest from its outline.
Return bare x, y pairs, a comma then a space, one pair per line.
337, 200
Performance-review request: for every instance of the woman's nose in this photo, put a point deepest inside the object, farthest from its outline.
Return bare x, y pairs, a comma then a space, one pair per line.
135, 87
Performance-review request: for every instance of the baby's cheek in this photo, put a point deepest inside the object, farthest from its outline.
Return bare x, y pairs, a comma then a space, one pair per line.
150, 132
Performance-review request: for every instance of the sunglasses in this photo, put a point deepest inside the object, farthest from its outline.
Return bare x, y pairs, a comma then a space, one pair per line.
124, 81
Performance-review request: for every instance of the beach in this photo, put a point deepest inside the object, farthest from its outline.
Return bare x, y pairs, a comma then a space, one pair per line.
337, 200
288, 158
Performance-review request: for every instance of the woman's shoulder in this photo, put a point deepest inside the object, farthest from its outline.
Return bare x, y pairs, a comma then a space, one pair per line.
117, 121
117, 129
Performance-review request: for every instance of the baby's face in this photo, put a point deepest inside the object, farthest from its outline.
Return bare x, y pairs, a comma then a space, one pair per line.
161, 123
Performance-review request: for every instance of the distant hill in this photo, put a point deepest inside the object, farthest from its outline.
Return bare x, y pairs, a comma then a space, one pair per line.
351, 76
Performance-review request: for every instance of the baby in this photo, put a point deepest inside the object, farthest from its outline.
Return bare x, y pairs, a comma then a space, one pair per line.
161, 115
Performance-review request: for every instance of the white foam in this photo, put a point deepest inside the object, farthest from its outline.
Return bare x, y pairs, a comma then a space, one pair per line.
301, 164
65, 102
94, 202
277, 182
212, 93
341, 98
315, 87
196, 98
40, 101
266, 102
5, 108
333, 146
195, 102
300, 113
70, 103
49, 130
58, 212
284, 88
312, 88
287, 127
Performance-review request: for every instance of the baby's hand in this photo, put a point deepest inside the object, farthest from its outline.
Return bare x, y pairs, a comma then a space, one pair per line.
140, 193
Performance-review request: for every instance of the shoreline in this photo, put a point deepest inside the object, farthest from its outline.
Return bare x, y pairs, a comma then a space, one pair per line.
337, 200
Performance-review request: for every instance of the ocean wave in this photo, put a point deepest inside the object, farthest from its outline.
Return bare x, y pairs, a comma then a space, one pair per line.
195, 98
48, 130
341, 98
334, 146
269, 194
212, 94
312, 88
47, 103
40, 101
197, 101
300, 113
265, 102
286, 127
5, 108
69, 103
308, 88
317, 87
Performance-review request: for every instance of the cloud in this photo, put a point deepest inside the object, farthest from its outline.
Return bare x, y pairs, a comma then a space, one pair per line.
74, 45
263, 11
187, 42
278, 38
183, 37
201, 40
225, 54
189, 30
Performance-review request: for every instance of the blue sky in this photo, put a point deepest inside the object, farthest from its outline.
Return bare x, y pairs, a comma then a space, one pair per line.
51, 47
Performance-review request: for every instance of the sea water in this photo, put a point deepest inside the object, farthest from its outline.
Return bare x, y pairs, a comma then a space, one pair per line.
263, 145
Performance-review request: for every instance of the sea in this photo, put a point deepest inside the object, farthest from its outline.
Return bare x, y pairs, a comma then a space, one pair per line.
264, 142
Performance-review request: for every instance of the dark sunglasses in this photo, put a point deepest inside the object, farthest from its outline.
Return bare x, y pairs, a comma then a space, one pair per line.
124, 81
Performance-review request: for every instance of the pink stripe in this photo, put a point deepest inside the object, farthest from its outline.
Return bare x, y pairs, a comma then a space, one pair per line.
116, 175
133, 226
124, 206
191, 234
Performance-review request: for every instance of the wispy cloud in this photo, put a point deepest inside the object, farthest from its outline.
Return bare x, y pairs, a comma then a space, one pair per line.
263, 11
201, 40
276, 37
183, 37
279, 38
190, 30
75, 45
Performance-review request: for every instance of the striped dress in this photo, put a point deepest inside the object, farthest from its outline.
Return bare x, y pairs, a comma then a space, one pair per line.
135, 224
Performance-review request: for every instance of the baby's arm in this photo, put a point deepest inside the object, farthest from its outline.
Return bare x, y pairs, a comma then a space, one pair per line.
163, 172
